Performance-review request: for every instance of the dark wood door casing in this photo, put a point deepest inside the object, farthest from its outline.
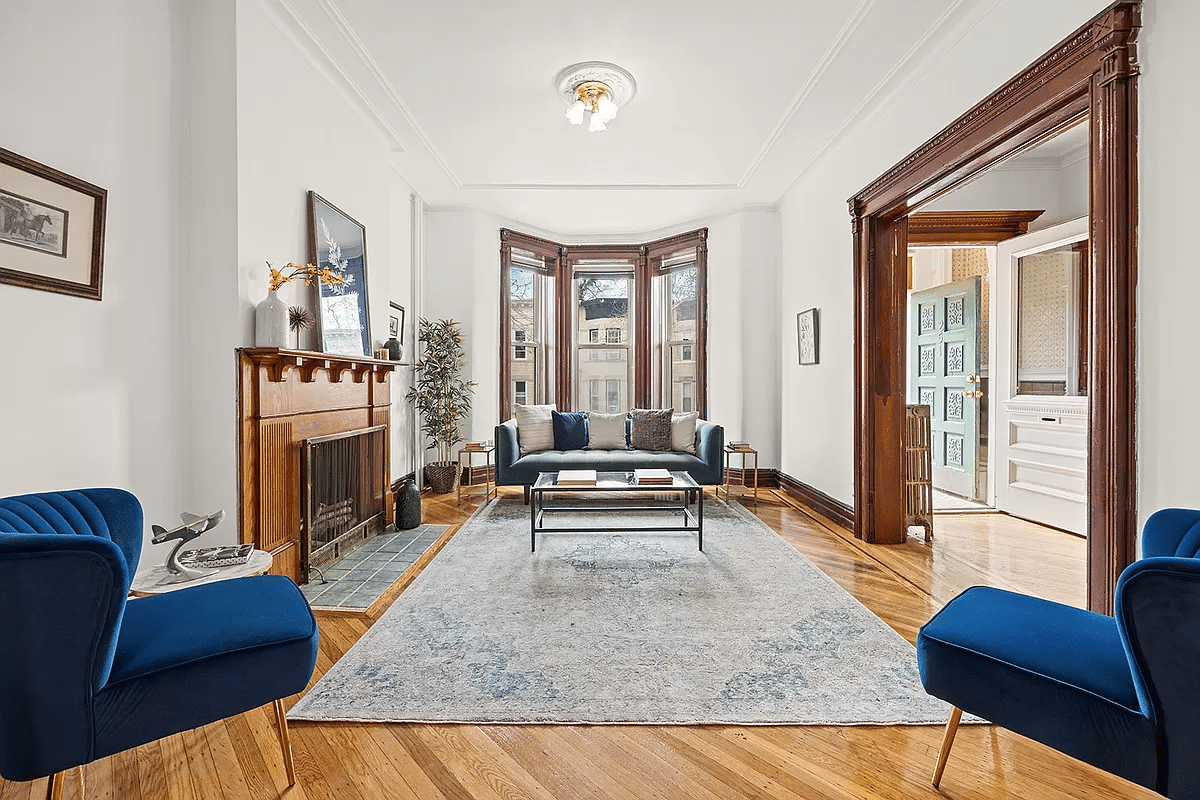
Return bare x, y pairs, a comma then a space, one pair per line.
1092, 72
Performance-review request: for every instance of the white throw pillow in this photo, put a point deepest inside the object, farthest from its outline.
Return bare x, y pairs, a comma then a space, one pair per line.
535, 428
606, 431
683, 432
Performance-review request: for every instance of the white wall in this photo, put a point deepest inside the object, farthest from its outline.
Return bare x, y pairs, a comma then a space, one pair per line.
1062, 193
1168, 283
818, 401
95, 392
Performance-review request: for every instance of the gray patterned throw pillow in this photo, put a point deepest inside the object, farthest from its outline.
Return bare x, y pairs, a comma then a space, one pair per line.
650, 429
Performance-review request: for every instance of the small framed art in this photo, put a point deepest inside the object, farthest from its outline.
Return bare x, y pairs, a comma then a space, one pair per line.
807, 336
396, 322
51, 228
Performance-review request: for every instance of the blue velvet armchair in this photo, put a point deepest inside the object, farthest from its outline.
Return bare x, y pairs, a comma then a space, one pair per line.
86, 672
1118, 692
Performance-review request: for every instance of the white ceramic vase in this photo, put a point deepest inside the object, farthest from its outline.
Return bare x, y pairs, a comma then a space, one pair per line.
270, 322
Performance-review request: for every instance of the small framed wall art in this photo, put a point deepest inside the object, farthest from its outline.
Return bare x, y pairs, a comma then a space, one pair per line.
51, 228
807, 336
396, 322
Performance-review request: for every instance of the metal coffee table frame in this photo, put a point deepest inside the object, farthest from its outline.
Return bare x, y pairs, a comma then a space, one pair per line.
691, 518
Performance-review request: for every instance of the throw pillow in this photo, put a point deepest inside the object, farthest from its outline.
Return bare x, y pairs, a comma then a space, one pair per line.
570, 430
683, 432
535, 428
605, 431
650, 429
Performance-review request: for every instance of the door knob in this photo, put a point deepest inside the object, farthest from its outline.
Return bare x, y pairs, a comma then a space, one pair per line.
970, 379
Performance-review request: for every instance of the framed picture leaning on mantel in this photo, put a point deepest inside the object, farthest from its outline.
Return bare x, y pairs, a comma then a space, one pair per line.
338, 242
51, 228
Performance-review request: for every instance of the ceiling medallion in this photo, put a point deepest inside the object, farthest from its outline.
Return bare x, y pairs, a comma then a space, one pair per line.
594, 88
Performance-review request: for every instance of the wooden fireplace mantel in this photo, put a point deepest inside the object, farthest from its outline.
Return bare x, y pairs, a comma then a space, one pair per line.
284, 398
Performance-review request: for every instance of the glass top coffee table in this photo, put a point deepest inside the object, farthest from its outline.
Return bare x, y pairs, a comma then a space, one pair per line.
616, 492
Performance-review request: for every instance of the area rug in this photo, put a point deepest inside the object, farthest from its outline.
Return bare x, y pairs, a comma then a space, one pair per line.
609, 627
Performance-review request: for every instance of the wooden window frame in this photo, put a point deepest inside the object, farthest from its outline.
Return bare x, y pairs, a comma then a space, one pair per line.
648, 260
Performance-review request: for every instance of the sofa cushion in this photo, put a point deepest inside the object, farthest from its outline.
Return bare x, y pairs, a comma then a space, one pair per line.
535, 427
570, 430
605, 431
683, 432
650, 429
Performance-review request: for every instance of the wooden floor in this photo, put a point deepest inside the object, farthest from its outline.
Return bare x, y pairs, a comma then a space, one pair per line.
904, 585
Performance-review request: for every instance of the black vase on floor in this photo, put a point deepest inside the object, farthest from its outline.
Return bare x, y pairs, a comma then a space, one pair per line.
408, 506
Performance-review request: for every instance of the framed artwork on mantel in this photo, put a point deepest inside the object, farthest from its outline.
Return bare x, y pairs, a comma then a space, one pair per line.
51, 228
807, 341
338, 242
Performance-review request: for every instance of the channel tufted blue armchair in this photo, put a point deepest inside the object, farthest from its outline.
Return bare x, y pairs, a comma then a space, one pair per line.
86, 672
1120, 693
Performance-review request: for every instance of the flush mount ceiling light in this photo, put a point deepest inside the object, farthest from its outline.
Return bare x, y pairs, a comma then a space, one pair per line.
596, 89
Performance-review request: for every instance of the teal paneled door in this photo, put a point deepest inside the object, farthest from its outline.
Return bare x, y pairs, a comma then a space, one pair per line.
943, 356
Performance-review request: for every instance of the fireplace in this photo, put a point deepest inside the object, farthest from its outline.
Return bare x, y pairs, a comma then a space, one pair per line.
286, 400
345, 481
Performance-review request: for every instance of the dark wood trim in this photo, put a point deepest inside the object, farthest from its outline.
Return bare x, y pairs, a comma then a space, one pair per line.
977, 228
702, 323
643, 366
564, 333
1091, 73
506, 378
534, 244
818, 501
1112, 377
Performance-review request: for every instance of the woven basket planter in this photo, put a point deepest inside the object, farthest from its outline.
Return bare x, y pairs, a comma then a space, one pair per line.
442, 477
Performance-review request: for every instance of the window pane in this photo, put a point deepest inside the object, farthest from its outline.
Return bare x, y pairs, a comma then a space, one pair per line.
682, 316
521, 301
602, 336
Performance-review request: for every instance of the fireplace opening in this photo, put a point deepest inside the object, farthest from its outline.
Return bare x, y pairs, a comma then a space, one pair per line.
344, 489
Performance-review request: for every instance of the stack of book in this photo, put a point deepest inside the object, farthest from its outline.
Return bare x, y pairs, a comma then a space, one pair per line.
226, 556
653, 477
477, 445
739, 447
576, 477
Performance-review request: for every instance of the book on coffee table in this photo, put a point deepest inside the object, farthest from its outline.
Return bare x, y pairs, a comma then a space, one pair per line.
653, 477
576, 477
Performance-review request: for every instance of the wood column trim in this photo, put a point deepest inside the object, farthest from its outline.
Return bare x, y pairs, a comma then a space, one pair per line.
505, 327
702, 324
1112, 381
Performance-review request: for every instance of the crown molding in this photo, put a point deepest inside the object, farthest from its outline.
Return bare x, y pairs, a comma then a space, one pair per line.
604, 187
875, 103
364, 55
968, 227
814, 77
291, 25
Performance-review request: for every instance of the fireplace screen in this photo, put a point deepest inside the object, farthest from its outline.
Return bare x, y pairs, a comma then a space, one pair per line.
344, 488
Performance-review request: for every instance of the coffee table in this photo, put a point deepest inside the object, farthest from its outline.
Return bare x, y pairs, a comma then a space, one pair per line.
615, 492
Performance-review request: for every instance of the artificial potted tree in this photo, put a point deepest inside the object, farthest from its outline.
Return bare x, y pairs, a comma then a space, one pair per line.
442, 397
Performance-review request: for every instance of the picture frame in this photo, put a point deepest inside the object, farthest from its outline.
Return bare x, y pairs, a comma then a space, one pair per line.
337, 241
396, 322
808, 336
51, 228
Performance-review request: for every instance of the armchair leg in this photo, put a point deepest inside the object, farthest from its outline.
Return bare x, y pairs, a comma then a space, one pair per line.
54, 785
526, 488
285, 743
947, 743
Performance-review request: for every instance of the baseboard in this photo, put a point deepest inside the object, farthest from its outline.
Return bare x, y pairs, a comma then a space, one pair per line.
817, 500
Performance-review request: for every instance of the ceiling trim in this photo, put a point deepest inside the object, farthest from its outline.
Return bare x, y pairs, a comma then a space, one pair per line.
605, 187
364, 55
289, 23
873, 105
814, 77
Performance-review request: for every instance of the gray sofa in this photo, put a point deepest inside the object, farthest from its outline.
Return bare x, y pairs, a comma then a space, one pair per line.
705, 467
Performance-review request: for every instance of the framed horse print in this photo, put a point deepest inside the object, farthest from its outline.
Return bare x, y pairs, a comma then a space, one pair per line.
51, 228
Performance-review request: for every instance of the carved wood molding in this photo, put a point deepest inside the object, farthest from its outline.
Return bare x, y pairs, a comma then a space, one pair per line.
1093, 72
278, 361
968, 227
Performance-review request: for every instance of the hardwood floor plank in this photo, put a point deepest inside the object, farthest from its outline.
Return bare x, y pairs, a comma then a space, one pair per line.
488, 761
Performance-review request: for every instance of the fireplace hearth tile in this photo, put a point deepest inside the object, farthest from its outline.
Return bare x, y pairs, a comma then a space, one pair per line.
359, 578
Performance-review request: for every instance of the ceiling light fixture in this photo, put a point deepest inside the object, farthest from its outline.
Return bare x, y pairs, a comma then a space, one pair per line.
597, 88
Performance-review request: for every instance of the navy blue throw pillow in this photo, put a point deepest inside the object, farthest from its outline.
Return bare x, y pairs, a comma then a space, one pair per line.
570, 430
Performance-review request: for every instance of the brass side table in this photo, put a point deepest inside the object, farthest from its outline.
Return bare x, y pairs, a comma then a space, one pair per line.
742, 451
488, 484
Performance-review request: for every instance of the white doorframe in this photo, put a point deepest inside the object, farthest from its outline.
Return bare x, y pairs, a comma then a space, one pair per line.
1003, 346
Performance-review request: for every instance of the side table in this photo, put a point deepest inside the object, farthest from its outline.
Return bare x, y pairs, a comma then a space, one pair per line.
743, 451
489, 485
145, 583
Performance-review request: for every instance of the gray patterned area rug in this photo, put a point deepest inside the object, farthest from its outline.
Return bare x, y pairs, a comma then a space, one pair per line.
624, 628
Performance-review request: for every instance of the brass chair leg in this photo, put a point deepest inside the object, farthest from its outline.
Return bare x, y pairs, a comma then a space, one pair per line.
54, 785
947, 743
285, 743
